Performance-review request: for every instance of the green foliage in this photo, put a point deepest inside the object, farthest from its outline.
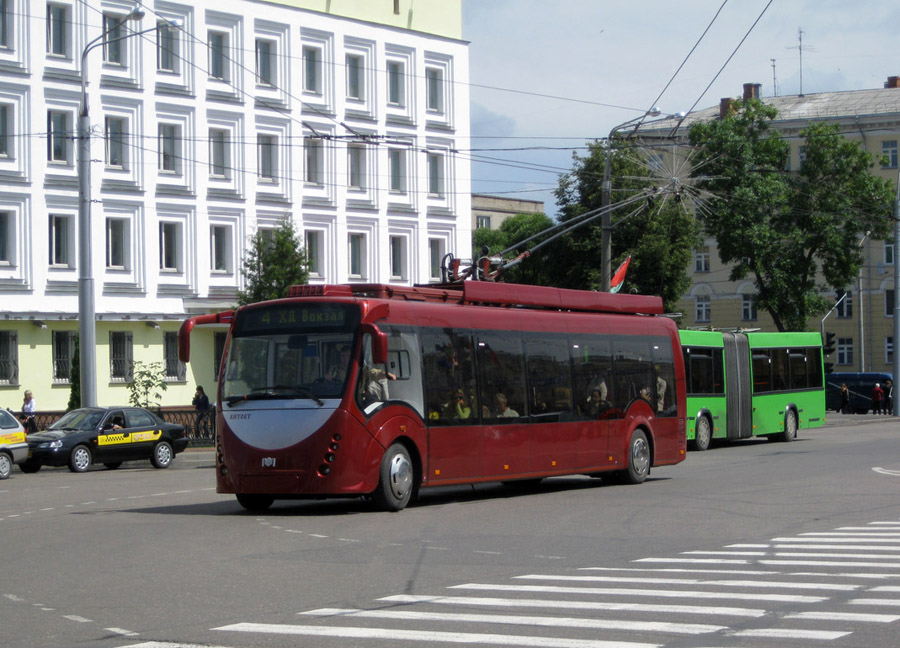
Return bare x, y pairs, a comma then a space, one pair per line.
75, 379
660, 239
513, 231
147, 384
275, 261
780, 227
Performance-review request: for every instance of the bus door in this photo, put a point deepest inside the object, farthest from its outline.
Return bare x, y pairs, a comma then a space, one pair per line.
555, 436
738, 386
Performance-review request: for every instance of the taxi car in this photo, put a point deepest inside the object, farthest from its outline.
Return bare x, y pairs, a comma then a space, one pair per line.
13, 447
107, 435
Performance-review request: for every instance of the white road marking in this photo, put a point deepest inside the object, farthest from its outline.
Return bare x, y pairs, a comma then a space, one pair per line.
875, 601
829, 563
75, 617
837, 540
839, 547
506, 619
844, 616
695, 561
779, 633
685, 570
885, 471
122, 631
694, 581
885, 588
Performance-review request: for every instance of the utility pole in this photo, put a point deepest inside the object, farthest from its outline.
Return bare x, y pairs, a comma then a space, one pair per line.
896, 338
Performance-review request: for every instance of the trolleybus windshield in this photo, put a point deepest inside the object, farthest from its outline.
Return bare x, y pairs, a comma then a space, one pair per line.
285, 351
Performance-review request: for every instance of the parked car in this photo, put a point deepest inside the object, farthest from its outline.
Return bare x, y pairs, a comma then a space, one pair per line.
860, 386
13, 447
107, 435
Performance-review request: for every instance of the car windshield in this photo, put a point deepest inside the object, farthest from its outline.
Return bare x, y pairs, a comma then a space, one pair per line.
78, 420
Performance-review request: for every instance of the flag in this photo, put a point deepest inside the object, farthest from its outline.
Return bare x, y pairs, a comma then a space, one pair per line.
618, 279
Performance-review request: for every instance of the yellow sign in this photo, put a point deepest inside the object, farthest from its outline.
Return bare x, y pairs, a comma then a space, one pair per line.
12, 437
120, 438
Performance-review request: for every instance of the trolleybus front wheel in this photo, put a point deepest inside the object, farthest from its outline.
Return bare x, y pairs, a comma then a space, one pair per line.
638, 458
255, 502
395, 487
790, 425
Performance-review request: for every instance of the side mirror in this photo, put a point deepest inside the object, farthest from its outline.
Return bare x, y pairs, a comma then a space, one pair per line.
379, 343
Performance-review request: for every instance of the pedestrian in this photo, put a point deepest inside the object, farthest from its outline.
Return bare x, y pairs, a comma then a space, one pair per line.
845, 399
29, 409
889, 397
877, 397
201, 404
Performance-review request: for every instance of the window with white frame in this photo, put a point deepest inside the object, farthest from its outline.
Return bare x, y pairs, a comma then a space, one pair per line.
748, 307
220, 248
267, 154
889, 151
435, 174
61, 240
434, 89
219, 57
482, 222
356, 166
114, 39
58, 136
398, 258
168, 47
219, 153
396, 84
845, 351
844, 309
9, 358
116, 136
889, 349
312, 70
888, 253
357, 255
5, 130
170, 246
703, 310
265, 61
63, 353
397, 169
118, 238
7, 239
889, 302
121, 351
701, 260
314, 259
314, 155
175, 368
356, 80
170, 145
435, 257
5, 23
59, 30
219, 338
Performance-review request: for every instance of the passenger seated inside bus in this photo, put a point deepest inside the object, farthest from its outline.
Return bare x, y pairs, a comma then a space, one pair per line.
503, 409
338, 370
377, 387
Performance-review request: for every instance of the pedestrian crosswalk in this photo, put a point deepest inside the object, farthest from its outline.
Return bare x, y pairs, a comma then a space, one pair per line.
816, 588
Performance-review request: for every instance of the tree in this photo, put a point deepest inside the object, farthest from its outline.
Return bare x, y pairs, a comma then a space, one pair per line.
784, 228
659, 237
148, 382
275, 261
512, 232
75, 379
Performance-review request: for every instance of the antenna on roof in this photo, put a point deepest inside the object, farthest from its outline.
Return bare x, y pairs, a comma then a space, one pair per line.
799, 48
774, 81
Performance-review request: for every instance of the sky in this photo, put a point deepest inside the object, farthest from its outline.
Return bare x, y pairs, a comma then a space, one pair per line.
599, 63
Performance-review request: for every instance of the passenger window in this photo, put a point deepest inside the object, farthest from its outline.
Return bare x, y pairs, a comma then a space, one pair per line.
664, 369
592, 365
633, 372
549, 378
449, 377
501, 369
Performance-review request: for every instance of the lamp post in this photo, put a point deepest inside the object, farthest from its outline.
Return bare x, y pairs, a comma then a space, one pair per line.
87, 330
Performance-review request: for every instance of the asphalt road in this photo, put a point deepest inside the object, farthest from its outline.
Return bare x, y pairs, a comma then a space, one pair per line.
752, 544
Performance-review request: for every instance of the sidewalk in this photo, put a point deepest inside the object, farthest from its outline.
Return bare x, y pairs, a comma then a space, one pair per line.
836, 418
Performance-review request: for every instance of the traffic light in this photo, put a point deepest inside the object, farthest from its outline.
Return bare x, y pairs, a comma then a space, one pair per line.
829, 368
828, 347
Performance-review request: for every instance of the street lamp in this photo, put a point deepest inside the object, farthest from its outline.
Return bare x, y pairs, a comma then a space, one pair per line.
606, 219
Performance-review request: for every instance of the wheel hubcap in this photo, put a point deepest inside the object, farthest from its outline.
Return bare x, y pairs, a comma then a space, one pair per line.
5, 465
81, 459
640, 456
401, 475
163, 456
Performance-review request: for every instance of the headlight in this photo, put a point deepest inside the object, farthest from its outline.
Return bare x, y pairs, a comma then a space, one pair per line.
53, 445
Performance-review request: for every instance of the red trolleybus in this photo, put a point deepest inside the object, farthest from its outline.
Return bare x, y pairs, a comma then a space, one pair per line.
376, 390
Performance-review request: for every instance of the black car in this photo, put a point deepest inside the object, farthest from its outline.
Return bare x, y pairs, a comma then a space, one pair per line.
107, 435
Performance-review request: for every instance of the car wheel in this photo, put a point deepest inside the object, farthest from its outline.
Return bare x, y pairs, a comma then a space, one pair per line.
703, 434
80, 459
395, 488
112, 465
638, 458
6, 465
162, 455
790, 426
255, 502
30, 466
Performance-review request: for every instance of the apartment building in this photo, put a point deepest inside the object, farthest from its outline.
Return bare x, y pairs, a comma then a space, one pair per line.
863, 321
210, 121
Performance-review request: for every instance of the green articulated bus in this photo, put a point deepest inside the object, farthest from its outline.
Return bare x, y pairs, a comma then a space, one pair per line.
747, 384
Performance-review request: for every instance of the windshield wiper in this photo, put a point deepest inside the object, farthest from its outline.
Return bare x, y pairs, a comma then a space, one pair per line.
268, 392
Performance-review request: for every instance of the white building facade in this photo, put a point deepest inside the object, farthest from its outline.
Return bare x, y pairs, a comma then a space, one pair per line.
222, 118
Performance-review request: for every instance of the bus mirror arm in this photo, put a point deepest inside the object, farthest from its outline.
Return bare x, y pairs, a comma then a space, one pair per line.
379, 343
184, 333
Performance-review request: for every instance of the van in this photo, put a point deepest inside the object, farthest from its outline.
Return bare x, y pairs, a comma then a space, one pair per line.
860, 386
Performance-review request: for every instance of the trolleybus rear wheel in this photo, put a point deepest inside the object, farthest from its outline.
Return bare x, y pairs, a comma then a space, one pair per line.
790, 425
395, 488
703, 434
638, 458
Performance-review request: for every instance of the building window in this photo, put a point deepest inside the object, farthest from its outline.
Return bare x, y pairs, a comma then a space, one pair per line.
167, 47
845, 351
116, 135
434, 85
703, 312
889, 302
889, 350
844, 308
267, 151
397, 170
398, 258
357, 243
265, 62
58, 29
120, 356
314, 160
219, 149
4, 23
482, 222
801, 157
435, 174
219, 338
701, 260
314, 252
170, 148
6, 238
170, 246
889, 254
60, 249
218, 55
113, 40
117, 243
58, 137
889, 151
312, 70
5, 130
395, 83
175, 368
220, 252
435, 257
9, 358
355, 79
356, 166
63, 352
748, 308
